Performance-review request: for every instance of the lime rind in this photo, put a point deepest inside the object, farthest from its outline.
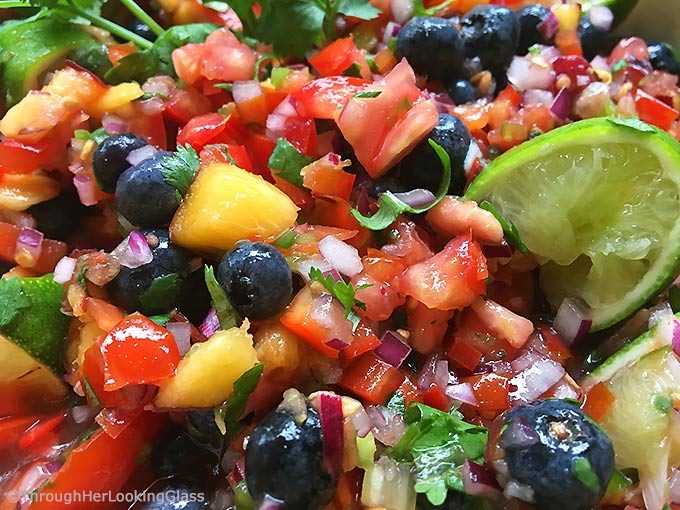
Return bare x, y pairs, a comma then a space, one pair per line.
610, 237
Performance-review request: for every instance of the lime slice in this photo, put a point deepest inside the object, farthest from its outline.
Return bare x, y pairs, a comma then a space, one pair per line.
598, 202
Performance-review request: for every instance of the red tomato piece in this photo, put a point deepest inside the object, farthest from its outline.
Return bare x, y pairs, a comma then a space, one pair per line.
383, 129
435, 397
260, 148
465, 355
301, 133
335, 212
382, 273
371, 379
326, 177
137, 351
655, 111
325, 97
598, 401
339, 56
491, 391
631, 48
185, 104
99, 465
363, 342
427, 326
451, 279
104, 314
19, 158
406, 244
202, 130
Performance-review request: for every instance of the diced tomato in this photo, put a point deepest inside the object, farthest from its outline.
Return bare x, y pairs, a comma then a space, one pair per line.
254, 111
505, 106
335, 212
325, 97
434, 397
475, 333
137, 351
654, 111
631, 48
475, 115
99, 465
491, 391
115, 52
301, 133
364, 340
503, 323
551, 343
260, 148
12, 428
298, 319
40, 430
383, 129
185, 104
202, 130
302, 198
151, 127
19, 158
104, 314
326, 177
382, 273
339, 56
465, 355
598, 401
371, 379
427, 326
451, 279
405, 242
410, 391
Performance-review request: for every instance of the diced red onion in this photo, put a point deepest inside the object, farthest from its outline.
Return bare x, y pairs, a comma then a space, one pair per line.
287, 107
572, 321
275, 125
518, 435
462, 392
388, 425
393, 349
362, 422
416, 198
181, 331
525, 360
270, 503
341, 256
550, 54
113, 124
401, 10
526, 74
548, 27
334, 274
473, 154
435, 372
601, 16
497, 251
564, 390
328, 313
243, 91
163, 85
534, 97
210, 324
81, 414
364, 202
336, 343
134, 251
330, 414
477, 480
675, 340
63, 271
87, 190
29, 246
333, 158
306, 265
138, 155
561, 106
391, 30
535, 380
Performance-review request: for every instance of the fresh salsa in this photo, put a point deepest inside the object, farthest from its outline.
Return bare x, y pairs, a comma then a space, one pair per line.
338, 255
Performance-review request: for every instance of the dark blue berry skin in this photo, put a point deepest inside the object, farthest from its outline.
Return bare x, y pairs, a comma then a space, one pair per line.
141, 29
462, 91
529, 17
593, 38
432, 46
177, 496
168, 258
4, 267
662, 58
564, 434
257, 279
422, 167
177, 454
59, 217
142, 195
285, 460
109, 159
195, 300
490, 33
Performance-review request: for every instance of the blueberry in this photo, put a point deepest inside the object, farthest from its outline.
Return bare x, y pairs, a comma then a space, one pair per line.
529, 17
490, 33
257, 279
202, 427
432, 46
4, 267
422, 167
194, 301
284, 459
593, 38
141, 29
462, 91
126, 288
177, 496
109, 159
176, 454
550, 447
59, 217
662, 58
143, 196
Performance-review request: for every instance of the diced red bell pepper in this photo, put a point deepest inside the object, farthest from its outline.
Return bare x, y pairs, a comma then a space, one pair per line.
435, 397
465, 355
491, 391
364, 340
40, 430
598, 402
339, 56
202, 130
654, 111
371, 379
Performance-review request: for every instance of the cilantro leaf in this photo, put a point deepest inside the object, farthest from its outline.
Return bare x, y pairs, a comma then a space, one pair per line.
368, 94
509, 228
419, 8
161, 320
12, 300
226, 312
358, 9
438, 443
397, 402
162, 294
180, 167
636, 124
97, 136
343, 292
618, 65
287, 161
390, 207
229, 414
583, 472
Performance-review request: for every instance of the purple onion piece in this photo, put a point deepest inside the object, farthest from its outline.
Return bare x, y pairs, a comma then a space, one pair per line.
336, 343
392, 349
462, 392
518, 435
211, 324
29, 243
548, 27
416, 198
138, 155
334, 274
561, 106
572, 321
497, 251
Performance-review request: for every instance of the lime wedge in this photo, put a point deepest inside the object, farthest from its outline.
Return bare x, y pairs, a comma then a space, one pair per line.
598, 202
